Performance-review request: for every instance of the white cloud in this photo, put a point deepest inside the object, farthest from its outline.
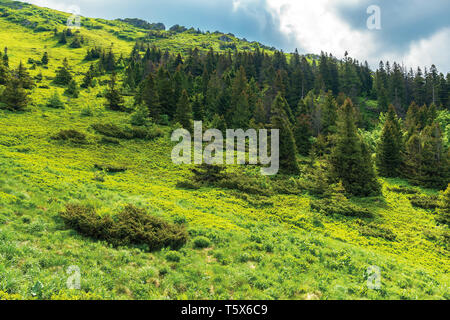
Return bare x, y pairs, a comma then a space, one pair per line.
432, 50
316, 27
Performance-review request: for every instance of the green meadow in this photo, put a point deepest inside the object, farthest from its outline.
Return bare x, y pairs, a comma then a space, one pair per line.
255, 244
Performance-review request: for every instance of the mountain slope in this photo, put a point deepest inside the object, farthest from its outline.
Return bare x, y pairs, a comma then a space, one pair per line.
262, 246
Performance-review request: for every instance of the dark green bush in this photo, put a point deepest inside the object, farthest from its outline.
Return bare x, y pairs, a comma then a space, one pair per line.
201, 242
109, 140
377, 231
190, 185
127, 132
403, 190
243, 183
110, 168
173, 256
131, 226
425, 202
71, 135
331, 206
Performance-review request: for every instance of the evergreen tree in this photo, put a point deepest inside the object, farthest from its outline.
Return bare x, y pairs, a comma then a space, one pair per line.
115, 100
148, 95
184, 112
329, 114
44, 59
55, 101
287, 147
302, 130
5, 57
165, 92
88, 78
350, 160
4, 74
23, 76
443, 214
413, 158
141, 116
390, 147
72, 89
14, 96
63, 75
63, 38
197, 107
434, 170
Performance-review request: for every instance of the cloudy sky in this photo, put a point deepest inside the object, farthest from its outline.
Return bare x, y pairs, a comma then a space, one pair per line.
413, 32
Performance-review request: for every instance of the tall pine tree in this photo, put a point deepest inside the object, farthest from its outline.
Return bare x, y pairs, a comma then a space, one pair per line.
350, 160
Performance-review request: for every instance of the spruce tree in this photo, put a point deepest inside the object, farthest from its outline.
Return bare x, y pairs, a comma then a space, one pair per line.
6, 58
23, 76
148, 95
184, 112
44, 59
88, 78
14, 96
115, 99
302, 130
434, 170
55, 101
390, 147
197, 107
72, 89
63, 75
165, 92
287, 147
350, 161
140, 116
443, 214
4, 74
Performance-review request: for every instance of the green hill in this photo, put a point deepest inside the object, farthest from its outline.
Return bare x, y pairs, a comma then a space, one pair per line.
262, 240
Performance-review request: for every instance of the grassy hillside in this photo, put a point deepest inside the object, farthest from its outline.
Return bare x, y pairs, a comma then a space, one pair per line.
268, 245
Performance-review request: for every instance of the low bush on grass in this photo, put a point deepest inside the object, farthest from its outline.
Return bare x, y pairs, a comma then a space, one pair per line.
335, 203
127, 132
376, 231
201, 242
173, 256
425, 202
403, 190
131, 226
109, 140
110, 168
71, 135
213, 175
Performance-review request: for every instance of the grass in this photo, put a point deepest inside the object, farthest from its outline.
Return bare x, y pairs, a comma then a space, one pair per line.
242, 246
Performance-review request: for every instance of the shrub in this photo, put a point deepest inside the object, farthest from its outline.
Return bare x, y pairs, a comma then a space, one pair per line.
243, 183
173, 256
127, 132
346, 208
108, 140
377, 231
190, 185
425, 202
201, 242
336, 203
131, 226
71, 135
403, 190
110, 168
